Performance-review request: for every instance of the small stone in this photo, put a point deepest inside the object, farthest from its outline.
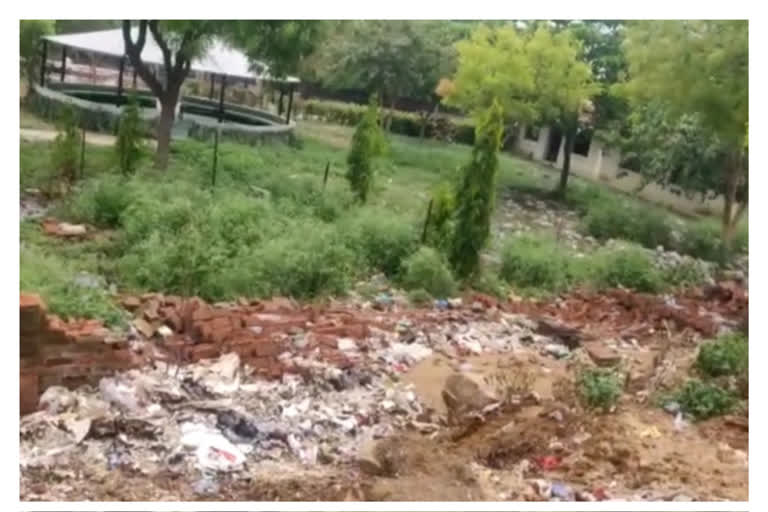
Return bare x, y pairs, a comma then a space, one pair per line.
602, 355
672, 407
144, 327
557, 350
164, 331
66, 229
347, 345
131, 303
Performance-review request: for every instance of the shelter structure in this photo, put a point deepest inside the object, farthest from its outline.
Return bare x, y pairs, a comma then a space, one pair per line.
220, 65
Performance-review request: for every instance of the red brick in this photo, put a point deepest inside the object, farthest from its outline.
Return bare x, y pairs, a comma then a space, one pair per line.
29, 392
268, 348
130, 302
206, 351
173, 320
326, 340
57, 361
357, 331
31, 301
278, 305
220, 328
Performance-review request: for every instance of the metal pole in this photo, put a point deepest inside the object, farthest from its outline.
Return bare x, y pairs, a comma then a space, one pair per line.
221, 97
213, 82
290, 106
43, 62
63, 62
215, 156
82, 155
426, 222
120, 78
134, 78
325, 177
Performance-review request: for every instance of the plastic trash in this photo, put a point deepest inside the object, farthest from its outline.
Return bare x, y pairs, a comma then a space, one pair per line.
442, 304
213, 450
680, 423
207, 485
561, 491
548, 462
672, 407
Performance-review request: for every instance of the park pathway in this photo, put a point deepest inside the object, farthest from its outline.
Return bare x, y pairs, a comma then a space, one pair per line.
98, 139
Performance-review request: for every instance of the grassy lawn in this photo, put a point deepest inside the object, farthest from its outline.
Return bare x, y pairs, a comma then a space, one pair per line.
267, 227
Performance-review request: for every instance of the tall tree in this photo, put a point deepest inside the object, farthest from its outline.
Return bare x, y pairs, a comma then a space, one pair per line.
492, 65
31, 33
535, 74
390, 58
279, 43
698, 67
475, 195
563, 86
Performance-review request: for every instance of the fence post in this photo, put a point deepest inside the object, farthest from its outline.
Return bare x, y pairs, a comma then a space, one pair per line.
215, 156
82, 156
426, 222
325, 176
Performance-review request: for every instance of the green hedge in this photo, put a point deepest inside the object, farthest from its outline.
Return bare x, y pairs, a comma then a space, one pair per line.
403, 123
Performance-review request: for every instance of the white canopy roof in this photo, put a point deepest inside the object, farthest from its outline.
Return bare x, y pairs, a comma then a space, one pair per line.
220, 58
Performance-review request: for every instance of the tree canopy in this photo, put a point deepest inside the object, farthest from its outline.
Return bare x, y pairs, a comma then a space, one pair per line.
278, 43
698, 68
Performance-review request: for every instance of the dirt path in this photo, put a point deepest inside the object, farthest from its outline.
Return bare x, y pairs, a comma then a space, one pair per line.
97, 139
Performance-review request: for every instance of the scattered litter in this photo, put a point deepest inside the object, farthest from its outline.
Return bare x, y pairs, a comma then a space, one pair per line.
213, 451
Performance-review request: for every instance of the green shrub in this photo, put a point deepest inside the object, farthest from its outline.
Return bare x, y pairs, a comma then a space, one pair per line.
600, 388
489, 283
439, 228
383, 238
628, 267
129, 144
179, 262
103, 201
702, 240
617, 219
309, 260
54, 279
427, 270
727, 355
367, 144
703, 400
403, 123
65, 155
419, 297
529, 262
475, 196
687, 273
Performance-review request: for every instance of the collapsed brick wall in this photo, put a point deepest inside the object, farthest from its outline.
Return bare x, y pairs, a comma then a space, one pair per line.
54, 352
258, 331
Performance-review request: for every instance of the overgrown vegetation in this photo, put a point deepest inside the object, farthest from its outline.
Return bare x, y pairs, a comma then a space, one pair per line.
600, 388
727, 355
530, 262
703, 400
367, 144
476, 194
269, 227
65, 156
129, 146
427, 270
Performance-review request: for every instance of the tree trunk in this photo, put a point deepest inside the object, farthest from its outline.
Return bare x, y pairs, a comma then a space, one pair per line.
570, 139
729, 219
164, 127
